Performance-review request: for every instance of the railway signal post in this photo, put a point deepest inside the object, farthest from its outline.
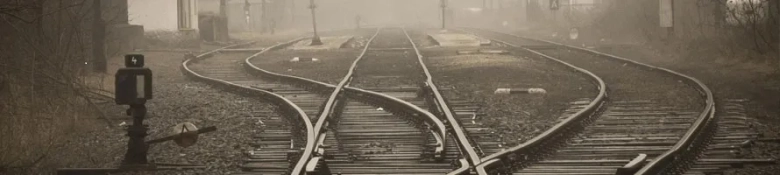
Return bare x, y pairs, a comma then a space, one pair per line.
134, 88
315, 40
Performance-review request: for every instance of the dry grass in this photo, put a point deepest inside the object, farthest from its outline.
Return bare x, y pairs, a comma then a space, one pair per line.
34, 127
171, 40
45, 100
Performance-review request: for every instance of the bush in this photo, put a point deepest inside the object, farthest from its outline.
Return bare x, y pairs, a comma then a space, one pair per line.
732, 27
44, 97
171, 39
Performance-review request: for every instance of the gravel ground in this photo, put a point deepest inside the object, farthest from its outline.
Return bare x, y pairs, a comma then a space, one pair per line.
630, 82
728, 77
518, 117
176, 100
388, 68
422, 40
331, 67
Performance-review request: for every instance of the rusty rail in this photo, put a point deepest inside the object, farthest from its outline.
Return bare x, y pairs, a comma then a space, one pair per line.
522, 151
330, 105
286, 106
464, 144
694, 140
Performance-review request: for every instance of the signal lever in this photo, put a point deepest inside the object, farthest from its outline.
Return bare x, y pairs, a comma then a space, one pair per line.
183, 135
134, 88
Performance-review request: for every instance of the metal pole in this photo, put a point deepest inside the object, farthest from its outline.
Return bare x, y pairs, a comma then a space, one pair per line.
221, 33
315, 40
264, 17
247, 15
136, 146
670, 30
443, 16
222, 8
98, 38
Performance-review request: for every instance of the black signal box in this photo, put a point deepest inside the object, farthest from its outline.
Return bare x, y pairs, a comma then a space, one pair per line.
133, 86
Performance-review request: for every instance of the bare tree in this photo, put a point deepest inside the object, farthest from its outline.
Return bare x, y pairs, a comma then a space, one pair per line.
43, 94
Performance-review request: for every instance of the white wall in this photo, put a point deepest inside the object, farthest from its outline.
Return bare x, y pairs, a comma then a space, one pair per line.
188, 14
161, 14
153, 14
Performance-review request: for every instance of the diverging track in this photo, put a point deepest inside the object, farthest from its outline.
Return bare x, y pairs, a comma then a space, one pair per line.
400, 138
389, 131
657, 121
289, 130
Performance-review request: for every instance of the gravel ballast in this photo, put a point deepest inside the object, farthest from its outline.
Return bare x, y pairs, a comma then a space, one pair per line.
177, 99
517, 117
628, 81
330, 67
388, 68
728, 77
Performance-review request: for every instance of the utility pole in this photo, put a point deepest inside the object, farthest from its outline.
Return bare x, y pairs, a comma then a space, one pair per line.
264, 17
98, 38
221, 22
315, 40
443, 16
247, 15
223, 8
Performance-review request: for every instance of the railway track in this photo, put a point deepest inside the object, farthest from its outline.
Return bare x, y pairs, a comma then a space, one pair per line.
404, 126
386, 130
370, 140
280, 145
420, 149
279, 152
658, 125
733, 135
476, 119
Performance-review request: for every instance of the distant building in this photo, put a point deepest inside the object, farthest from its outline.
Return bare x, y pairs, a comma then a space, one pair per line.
164, 15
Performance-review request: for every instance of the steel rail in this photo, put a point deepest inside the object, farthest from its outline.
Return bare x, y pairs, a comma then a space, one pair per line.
330, 104
431, 119
693, 138
549, 135
285, 104
462, 139
348, 78
705, 121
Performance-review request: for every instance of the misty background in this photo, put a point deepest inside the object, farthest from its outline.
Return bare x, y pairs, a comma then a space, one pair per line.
55, 54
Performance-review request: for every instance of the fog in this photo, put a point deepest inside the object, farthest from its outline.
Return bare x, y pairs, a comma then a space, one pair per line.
341, 14
336, 14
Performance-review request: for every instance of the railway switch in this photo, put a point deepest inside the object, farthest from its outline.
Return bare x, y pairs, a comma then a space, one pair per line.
134, 88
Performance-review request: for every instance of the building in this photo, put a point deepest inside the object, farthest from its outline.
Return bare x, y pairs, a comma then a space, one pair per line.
164, 15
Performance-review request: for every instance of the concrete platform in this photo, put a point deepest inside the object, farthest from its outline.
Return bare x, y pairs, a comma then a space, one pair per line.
446, 39
333, 42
